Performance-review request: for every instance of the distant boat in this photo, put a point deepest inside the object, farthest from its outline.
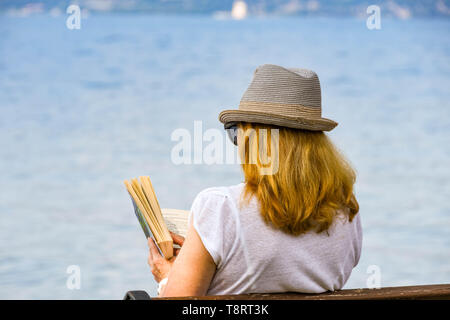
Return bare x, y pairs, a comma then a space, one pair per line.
239, 10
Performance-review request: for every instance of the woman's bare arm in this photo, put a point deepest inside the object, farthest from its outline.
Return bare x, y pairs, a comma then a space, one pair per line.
193, 269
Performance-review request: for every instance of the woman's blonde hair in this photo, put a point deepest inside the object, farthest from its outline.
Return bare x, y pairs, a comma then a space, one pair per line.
312, 181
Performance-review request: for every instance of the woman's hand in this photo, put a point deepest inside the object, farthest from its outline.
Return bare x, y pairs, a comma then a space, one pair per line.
160, 266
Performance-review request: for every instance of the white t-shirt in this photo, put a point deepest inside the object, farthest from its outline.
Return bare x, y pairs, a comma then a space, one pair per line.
253, 257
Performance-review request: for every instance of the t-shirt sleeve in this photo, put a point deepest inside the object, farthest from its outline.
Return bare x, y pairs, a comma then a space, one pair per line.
214, 218
359, 238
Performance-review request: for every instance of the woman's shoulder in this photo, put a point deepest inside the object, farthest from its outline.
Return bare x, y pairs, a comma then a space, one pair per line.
213, 214
221, 192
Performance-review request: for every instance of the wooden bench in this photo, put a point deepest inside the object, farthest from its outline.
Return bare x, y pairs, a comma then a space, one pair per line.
438, 291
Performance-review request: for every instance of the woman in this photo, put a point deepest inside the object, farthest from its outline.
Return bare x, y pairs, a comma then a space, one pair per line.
292, 226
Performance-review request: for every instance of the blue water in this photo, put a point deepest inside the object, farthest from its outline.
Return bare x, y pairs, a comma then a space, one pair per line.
82, 110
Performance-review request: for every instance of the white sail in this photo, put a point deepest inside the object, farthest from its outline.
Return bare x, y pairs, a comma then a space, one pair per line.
239, 10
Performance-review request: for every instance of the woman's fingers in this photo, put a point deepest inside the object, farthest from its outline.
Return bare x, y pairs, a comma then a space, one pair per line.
153, 249
177, 239
150, 256
159, 266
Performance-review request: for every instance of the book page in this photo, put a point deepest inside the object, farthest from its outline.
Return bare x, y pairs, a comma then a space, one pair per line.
176, 220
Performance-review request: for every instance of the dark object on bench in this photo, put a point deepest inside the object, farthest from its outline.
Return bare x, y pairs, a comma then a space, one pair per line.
136, 295
438, 291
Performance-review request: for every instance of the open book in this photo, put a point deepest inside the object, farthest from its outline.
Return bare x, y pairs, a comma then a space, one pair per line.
155, 222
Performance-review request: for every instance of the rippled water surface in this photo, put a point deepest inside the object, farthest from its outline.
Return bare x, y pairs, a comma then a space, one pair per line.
82, 110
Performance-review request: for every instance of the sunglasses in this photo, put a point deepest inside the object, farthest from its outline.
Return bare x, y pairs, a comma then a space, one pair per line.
232, 132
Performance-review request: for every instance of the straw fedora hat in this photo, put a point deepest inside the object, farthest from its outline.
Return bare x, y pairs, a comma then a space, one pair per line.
285, 97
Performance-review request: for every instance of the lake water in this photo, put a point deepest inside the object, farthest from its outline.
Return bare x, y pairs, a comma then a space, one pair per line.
82, 110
